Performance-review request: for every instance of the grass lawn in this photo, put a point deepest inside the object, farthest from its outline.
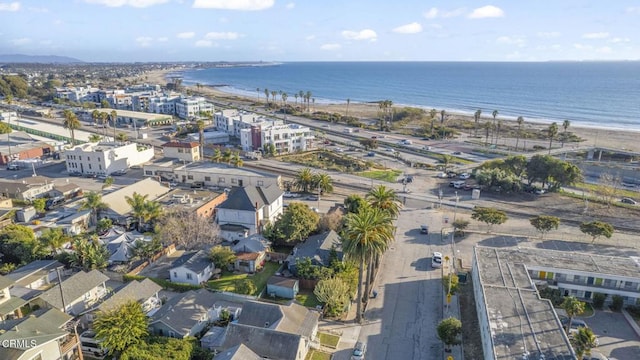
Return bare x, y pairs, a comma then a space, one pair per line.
307, 298
329, 340
317, 355
227, 280
384, 175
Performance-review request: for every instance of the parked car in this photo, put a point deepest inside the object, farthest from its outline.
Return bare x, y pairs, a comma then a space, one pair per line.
424, 229
628, 201
359, 350
442, 175
465, 176
457, 153
436, 260
371, 154
312, 197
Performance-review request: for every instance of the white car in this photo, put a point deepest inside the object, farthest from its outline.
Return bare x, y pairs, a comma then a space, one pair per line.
436, 260
465, 176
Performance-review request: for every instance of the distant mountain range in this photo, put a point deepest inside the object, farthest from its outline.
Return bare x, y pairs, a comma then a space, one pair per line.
42, 59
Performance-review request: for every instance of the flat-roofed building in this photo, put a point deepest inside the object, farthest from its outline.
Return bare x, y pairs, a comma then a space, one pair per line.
105, 158
202, 202
192, 107
140, 119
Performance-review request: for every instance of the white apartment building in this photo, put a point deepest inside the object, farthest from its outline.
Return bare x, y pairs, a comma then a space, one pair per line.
232, 121
77, 94
188, 108
165, 104
105, 158
187, 151
287, 138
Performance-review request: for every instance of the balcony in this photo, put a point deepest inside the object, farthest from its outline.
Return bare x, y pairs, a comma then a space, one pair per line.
560, 282
68, 343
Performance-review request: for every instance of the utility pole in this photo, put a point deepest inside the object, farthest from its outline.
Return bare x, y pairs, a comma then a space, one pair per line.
64, 306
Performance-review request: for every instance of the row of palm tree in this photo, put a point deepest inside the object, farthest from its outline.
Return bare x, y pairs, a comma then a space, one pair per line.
368, 233
306, 181
304, 96
228, 157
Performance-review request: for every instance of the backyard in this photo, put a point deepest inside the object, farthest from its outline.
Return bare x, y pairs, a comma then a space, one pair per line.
228, 280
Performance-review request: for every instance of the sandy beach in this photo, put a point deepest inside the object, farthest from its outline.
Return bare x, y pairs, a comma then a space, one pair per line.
601, 137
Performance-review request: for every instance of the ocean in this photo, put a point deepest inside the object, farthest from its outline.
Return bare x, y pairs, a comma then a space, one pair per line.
597, 94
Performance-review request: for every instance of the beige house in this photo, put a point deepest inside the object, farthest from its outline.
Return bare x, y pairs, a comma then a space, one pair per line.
28, 188
186, 151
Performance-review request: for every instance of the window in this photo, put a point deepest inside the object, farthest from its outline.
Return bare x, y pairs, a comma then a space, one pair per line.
88, 158
260, 183
189, 276
207, 178
181, 151
80, 157
190, 177
89, 166
234, 181
148, 172
175, 274
221, 180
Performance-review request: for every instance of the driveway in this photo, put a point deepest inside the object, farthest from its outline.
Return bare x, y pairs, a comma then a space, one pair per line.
617, 338
160, 268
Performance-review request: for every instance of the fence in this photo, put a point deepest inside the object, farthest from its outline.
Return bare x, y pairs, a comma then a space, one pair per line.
166, 251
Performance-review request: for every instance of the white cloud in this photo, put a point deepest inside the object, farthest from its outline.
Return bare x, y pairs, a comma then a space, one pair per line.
411, 28
132, 3
245, 5
290, 6
366, 34
38, 9
617, 40
21, 41
162, 39
310, 37
582, 46
144, 41
549, 35
514, 55
633, 10
14, 6
488, 11
330, 47
431, 13
596, 35
222, 36
186, 35
453, 13
604, 50
204, 43
435, 26
511, 40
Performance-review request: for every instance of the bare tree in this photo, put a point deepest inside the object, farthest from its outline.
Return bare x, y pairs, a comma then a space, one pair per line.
609, 187
189, 230
331, 221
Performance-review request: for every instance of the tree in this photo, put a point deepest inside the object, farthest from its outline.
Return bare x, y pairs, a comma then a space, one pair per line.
367, 233
386, 199
143, 210
498, 127
19, 245
217, 155
121, 137
39, 205
188, 230
295, 224
609, 187
227, 155
442, 114
331, 221
520, 121
222, 256
448, 331
236, 160
334, 293
323, 181
476, 119
346, 114
119, 328
495, 114
583, 341
93, 201
304, 179
145, 250
595, 229
200, 127
104, 225
89, 254
369, 143
545, 223
459, 225
565, 126
487, 130
446, 160
53, 238
450, 283
108, 182
71, 123
552, 131
245, 286
353, 203
573, 307
95, 138
489, 216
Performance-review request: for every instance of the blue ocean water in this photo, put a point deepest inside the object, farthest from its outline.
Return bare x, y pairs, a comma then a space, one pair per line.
601, 94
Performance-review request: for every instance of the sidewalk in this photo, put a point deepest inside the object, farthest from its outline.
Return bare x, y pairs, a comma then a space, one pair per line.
451, 308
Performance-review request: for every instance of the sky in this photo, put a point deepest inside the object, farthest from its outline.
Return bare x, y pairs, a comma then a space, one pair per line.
322, 30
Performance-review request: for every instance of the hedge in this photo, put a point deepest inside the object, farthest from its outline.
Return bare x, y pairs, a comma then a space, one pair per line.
166, 284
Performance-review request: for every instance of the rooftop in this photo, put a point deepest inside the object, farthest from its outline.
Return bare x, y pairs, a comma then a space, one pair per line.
251, 198
117, 199
43, 325
187, 199
138, 291
195, 261
74, 287
217, 168
33, 271
184, 145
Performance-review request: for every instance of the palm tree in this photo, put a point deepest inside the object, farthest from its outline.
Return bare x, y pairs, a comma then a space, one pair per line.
487, 129
237, 160
520, 121
476, 118
324, 182
565, 126
573, 307
122, 137
103, 120
227, 155
93, 201
273, 97
152, 210
284, 96
266, 94
53, 238
583, 341
114, 118
89, 253
200, 126
95, 138
71, 123
446, 161
354, 202
258, 91
347, 112
138, 208
296, 96
442, 114
494, 114
304, 179
367, 233
217, 155
552, 131
95, 116
498, 127
308, 96
386, 199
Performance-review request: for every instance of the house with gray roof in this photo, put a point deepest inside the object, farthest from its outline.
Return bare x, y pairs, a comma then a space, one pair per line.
247, 210
317, 248
238, 352
9, 305
272, 331
38, 336
36, 274
193, 267
81, 291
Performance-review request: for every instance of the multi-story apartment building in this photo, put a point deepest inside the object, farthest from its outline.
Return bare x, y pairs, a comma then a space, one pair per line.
105, 158
78, 94
165, 104
189, 108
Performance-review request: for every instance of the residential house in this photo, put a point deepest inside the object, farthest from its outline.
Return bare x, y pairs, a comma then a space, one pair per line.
250, 253
238, 352
283, 332
40, 336
144, 292
186, 151
65, 191
194, 267
117, 200
6, 217
28, 188
81, 291
318, 248
202, 202
5, 203
283, 287
9, 305
249, 207
186, 314
106, 157
37, 274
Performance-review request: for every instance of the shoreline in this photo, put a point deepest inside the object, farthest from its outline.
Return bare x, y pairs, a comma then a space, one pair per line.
606, 137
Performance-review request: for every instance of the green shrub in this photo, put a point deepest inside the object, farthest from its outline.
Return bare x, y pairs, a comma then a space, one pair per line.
166, 284
598, 300
617, 302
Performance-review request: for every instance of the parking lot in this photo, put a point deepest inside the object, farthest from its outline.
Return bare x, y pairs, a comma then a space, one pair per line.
615, 336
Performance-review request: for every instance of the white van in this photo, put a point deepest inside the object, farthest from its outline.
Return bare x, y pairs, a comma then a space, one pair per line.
91, 345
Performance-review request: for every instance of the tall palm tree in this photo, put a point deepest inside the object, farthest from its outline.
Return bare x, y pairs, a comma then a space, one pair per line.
498, 127
552, 131
476, 119
266, 95
347, 112
258, 91
296, 96
442, 114
386, 199
200, 126
273, 97
565, 126
304, 179
104, 117
520, 121
217, 155
495, 114
93, 201
153, 210
487, 130
583, 341
71, 123
114, 119
367, 232
227, 156
573, 308
324, 182
95, 116
308, 96
284, 96
138, 208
